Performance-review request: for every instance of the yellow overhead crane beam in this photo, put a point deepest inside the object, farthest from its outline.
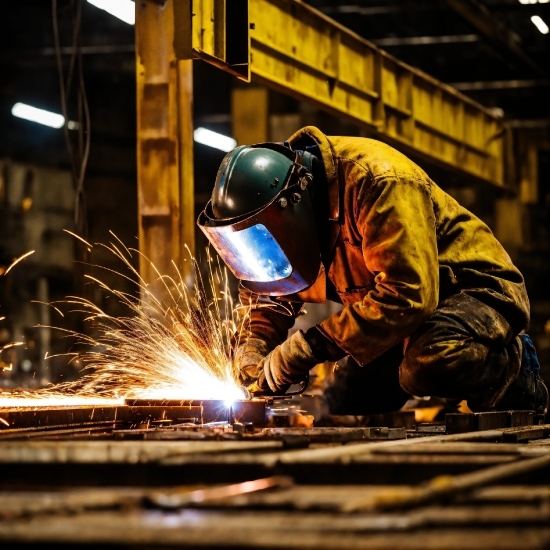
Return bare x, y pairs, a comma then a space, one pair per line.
301, 52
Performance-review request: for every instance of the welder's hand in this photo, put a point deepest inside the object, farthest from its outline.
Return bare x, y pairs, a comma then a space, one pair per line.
288, 363
248, 357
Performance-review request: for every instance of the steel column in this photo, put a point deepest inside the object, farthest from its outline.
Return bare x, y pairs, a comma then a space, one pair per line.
250, 114
165, 144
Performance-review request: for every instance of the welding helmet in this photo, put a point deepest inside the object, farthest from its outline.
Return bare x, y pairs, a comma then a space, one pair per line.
260, 218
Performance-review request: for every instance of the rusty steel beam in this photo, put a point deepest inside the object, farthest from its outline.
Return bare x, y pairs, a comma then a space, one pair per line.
20, 420
319, 61
301, 52
164, 146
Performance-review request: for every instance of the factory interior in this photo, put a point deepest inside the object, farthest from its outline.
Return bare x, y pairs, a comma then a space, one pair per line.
194, 356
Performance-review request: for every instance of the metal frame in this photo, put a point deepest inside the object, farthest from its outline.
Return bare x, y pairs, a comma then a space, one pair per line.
468, 490
302, 52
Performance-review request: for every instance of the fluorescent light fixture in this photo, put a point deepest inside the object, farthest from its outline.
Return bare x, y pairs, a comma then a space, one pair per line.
540, 24
213, 139
123, 9
534, 1
54, 120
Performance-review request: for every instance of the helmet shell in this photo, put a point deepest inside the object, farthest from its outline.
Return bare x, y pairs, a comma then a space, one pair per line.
248, 179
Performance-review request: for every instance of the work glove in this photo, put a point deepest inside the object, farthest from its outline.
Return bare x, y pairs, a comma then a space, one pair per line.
247, 359
287, 364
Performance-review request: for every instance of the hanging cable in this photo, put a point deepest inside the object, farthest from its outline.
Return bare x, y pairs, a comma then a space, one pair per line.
78, 153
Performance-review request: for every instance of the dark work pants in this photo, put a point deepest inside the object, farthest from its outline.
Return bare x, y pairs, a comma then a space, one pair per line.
465, 350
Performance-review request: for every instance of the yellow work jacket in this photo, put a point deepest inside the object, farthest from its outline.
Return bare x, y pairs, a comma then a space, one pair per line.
398, 246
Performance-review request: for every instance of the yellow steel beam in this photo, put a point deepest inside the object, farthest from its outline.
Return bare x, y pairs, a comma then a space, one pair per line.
164, 144
301, 52
216, 31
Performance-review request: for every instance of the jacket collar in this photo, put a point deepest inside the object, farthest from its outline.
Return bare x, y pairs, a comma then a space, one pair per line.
300, 140
311, 135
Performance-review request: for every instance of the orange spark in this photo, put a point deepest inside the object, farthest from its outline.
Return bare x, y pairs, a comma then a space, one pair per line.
78, 237
17, 260
176, 347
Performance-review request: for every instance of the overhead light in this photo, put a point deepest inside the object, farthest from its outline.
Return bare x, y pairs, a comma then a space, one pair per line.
213, 139
540, 24
28, 112
123, 9
534, 1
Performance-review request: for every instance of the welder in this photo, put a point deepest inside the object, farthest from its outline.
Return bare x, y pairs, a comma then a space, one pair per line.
432, 303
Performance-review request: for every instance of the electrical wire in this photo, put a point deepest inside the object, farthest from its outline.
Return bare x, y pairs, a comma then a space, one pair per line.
78, 156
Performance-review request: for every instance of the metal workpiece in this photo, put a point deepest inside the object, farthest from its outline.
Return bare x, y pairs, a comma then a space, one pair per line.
175, 484
472, 422
206, 410
136, 413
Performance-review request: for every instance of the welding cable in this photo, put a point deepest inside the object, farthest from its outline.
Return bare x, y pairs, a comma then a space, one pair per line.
62, 90
79, 164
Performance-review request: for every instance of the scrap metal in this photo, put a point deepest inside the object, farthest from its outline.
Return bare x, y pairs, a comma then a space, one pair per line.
337, 487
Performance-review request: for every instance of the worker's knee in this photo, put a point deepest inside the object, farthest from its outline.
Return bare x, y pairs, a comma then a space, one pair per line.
440, 367
449, 352
452, 345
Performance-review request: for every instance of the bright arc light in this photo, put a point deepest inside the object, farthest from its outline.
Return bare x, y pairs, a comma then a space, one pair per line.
540, 24
123, 9
213, 139
28, 112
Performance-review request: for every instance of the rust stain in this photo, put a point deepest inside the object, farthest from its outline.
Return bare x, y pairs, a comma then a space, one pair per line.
158, 146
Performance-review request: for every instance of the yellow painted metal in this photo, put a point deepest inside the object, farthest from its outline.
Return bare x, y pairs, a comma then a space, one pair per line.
165, 144
301, 52
509, 223
528, 143
195, 23
216, 31
250, 114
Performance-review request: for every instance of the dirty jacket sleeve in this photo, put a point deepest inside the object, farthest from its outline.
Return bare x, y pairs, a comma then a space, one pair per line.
395, 223
265, 318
